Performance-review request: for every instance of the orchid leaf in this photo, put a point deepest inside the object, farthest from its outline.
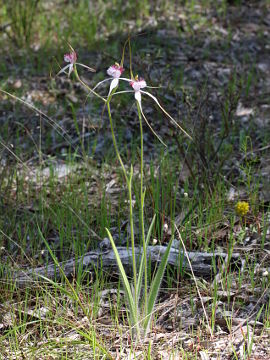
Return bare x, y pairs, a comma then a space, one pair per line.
127, 288
140, 276
155, 286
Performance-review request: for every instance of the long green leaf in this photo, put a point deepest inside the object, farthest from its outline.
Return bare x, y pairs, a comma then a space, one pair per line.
155, 286
140, 276
127, 289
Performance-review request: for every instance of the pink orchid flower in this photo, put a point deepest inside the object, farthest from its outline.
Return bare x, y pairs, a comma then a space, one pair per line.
114, 71
138, 84
71, 58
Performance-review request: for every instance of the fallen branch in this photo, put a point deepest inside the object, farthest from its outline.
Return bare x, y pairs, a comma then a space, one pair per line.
202, 263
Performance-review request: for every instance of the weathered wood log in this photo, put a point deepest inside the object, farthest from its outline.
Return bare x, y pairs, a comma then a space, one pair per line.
202, 263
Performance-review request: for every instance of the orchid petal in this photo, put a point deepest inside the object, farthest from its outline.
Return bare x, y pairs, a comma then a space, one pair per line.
154, 87
101, 82
140, 106
139, 84
114, 85
70, 69
87, 67
115, 70
138, 96
122, 92
165, 112
125, 79
63, 70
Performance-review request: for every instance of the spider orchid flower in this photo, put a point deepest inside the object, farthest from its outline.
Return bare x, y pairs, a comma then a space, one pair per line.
71, 58
138, 84
114, 71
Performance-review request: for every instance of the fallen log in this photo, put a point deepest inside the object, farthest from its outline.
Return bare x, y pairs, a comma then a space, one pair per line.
202, 263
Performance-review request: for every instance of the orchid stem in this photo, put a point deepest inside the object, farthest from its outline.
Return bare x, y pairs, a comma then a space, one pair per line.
129, 184
142, 211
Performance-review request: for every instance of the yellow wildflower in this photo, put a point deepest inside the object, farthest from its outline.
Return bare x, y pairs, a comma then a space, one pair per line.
242, 208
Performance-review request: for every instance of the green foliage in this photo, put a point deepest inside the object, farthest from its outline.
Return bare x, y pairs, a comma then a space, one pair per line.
22, 14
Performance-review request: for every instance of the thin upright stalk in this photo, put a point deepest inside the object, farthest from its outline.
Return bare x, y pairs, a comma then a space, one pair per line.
115, 143
86, 86
129, 184
142, 211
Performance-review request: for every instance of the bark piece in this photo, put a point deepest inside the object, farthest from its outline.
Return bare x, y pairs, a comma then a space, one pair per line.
202, 263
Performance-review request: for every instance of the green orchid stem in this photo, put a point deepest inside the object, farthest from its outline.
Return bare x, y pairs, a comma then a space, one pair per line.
129, 184
115, 143
142, 212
